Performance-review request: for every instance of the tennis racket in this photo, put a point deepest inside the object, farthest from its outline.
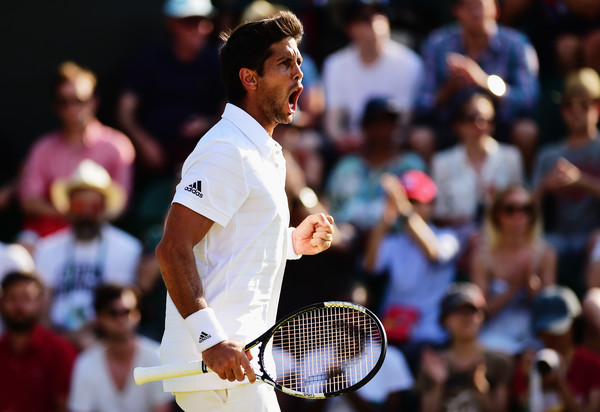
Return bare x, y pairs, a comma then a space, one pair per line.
320, 351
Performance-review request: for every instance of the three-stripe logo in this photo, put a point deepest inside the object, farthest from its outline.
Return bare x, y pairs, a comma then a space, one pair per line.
195, 188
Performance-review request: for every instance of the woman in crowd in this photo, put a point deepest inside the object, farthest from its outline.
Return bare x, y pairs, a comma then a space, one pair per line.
511, 264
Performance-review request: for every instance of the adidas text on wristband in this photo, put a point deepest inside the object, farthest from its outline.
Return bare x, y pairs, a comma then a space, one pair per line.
205, 328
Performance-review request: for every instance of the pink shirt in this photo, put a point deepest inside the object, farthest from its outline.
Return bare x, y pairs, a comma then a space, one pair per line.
51, 157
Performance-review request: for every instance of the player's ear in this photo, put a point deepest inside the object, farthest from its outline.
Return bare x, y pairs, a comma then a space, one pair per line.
249, 78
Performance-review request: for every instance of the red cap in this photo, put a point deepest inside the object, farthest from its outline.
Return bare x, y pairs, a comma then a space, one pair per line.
418, 186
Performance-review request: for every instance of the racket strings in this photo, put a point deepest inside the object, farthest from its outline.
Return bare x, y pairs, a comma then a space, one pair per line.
324, 350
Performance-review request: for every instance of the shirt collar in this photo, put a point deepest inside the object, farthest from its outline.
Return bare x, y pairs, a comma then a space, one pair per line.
251, 129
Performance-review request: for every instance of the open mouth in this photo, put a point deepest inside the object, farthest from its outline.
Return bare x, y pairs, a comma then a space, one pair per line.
293, 100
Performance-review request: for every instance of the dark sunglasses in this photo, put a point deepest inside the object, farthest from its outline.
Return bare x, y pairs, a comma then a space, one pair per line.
584, 105
192, 21
474, 118
63, 101
511, 209
118, 313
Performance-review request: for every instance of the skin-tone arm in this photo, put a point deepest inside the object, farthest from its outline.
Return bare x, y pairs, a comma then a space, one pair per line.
416, 226
398, 204
565, 174
342, 138
37, 206
148, 148
434, 366
184, 229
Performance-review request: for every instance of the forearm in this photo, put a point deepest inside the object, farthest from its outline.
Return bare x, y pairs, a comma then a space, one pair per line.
37, 206
181, 278
590, 184
423, 235
375, 238
431, 401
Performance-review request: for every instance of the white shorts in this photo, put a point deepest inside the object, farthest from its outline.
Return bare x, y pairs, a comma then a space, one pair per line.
257, 397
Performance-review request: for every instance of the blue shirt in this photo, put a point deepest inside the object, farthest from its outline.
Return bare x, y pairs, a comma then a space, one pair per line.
509, 55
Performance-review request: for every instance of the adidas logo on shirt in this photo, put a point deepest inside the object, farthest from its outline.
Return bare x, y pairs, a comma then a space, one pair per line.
204, 336
195, 188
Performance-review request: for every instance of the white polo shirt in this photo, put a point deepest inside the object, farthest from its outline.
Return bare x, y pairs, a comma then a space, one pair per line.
236, 177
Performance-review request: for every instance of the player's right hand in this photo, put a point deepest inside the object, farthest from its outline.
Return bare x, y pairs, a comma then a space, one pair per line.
230, 361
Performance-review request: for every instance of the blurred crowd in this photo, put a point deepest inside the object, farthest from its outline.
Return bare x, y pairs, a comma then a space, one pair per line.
454, 143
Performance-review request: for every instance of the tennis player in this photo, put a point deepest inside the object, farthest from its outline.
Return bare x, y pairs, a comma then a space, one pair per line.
226, 238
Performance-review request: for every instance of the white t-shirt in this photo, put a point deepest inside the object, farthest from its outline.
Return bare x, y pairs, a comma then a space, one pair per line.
349, 83
73, 269
235, 176
461, 189
394, 376
93, 389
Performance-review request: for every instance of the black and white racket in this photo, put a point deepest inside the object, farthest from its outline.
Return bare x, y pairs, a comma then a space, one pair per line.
320, 351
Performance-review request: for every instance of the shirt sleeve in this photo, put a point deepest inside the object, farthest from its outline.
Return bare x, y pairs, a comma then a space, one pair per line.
522, 90
213, 182
34, 181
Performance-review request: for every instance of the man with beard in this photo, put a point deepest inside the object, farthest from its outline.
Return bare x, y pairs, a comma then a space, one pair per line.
74, 261
227, 234
36, 362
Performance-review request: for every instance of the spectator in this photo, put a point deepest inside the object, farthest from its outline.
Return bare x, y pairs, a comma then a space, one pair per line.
384, 392
420, 261
567, 177
476, 53
174, 92
14, 258
469, 174
57, 154
510, 266
103, 373
371, 65
571, 382
36, 362
591, 317
466, 376
353, 190
89, 252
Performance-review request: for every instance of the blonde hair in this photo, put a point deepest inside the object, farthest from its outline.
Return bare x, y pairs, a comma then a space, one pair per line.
84, 79
491, 224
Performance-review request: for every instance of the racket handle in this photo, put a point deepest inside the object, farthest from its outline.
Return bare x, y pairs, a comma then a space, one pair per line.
174, 370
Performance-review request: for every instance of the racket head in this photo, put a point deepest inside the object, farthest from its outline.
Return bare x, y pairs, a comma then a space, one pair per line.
323, 350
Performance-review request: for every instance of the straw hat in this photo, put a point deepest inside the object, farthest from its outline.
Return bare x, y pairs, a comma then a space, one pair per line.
89, 175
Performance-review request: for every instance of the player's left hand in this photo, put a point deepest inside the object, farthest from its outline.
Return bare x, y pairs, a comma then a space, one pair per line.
313, 235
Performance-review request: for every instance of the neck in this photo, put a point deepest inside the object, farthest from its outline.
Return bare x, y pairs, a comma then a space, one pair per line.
475, 149
582, 137
19, 340
252, 110
74, 133
380, 153
465, 348
369, 53
122, 347
511, 240
185, 53
476, 41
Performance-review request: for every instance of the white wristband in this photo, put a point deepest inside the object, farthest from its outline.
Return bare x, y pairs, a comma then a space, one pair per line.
205, 328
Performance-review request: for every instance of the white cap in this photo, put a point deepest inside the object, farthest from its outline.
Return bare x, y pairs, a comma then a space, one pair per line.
188, 8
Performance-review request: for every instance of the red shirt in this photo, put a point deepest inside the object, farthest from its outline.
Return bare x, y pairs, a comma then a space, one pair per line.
33, 379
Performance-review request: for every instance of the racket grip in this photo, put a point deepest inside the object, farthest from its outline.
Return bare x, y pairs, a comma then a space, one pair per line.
175, 370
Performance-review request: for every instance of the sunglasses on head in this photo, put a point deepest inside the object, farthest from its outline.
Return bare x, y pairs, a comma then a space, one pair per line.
511, 209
